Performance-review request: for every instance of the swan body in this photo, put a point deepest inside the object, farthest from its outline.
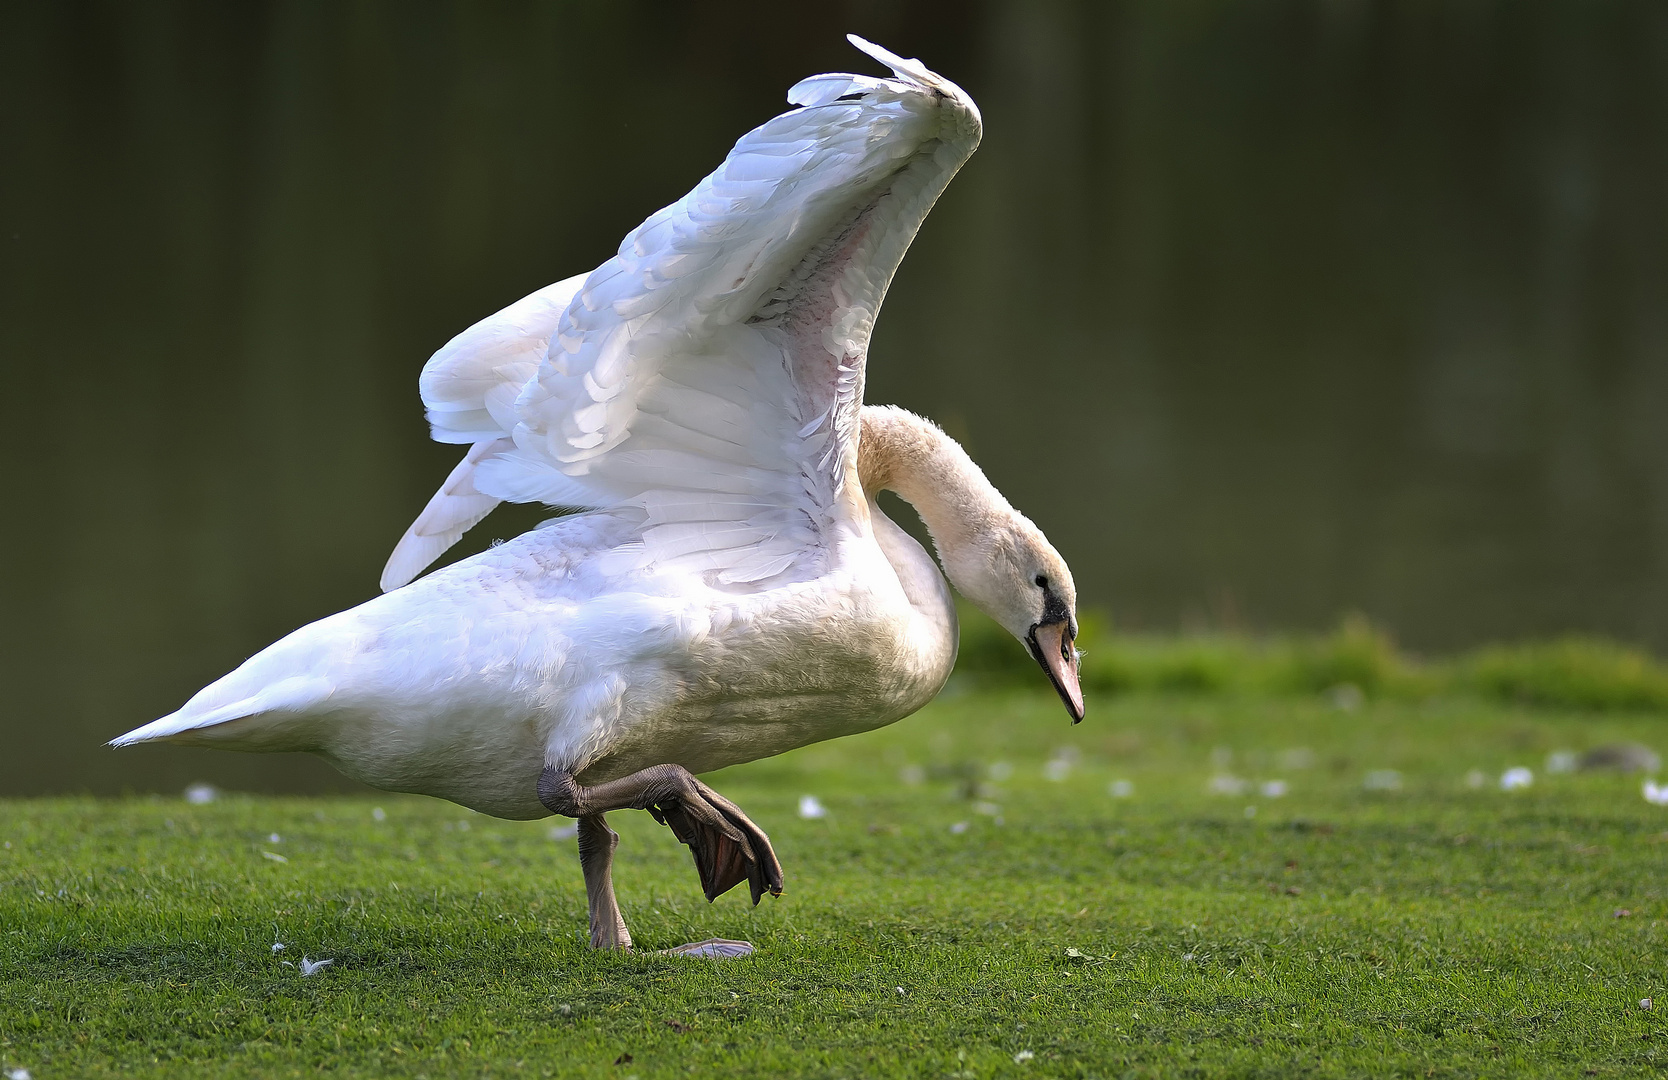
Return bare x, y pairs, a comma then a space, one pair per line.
730, 589
465, 683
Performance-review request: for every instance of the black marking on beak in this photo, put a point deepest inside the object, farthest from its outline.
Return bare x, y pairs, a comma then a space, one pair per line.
1051, 643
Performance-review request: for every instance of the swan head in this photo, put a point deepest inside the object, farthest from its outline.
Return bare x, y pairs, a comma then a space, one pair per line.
1013, 574
991, 552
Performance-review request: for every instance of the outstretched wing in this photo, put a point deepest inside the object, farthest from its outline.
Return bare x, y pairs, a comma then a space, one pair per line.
712, 371
469, 390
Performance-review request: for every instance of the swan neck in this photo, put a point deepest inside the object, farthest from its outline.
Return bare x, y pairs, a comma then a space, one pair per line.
911, 457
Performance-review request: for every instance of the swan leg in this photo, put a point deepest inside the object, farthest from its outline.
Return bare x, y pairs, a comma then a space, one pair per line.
596, 855
727, 846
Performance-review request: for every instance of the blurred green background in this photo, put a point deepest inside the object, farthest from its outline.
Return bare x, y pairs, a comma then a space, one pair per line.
1268, 312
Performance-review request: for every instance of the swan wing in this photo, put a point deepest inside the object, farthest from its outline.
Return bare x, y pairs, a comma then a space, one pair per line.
469, 388
452, 511
470, 385
711, 372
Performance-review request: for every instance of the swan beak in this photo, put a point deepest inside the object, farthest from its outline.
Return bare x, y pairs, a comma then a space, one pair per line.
1051, 644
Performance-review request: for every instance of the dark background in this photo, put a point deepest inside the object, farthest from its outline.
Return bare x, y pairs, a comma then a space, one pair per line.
1265, 311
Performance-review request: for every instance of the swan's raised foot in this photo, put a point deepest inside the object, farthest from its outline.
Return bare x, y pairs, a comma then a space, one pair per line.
727, 846
715, 948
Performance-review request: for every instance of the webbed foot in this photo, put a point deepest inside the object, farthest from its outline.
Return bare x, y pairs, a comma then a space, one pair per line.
727, 846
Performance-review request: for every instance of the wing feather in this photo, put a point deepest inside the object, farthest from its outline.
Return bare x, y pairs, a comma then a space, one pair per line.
456, 508
469, 388
470, 385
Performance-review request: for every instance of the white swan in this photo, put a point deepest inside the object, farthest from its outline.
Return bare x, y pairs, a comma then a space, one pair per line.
733, 591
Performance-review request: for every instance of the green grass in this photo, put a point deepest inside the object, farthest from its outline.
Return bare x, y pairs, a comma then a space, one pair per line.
1437, 929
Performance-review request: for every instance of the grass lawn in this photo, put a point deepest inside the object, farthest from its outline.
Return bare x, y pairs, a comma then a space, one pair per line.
975, 903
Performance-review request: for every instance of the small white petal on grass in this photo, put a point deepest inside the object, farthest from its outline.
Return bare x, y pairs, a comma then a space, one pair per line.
1346, 696
1516, 777
1562, 761
958, 828
1023, 1056
378, 814
1644, 1003
17, 1074
275, 839
564, 832
1120, 789
811, 808
1382, 780
1655, 795
310, 966
1227, 784
1476, 778
988, 809
1000, 771
274, 856
199, 794
1060, 765
278, 947
900, 991
1273, 789
1298, 757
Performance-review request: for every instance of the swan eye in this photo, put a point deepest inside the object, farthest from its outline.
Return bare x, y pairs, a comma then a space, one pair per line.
1042, 580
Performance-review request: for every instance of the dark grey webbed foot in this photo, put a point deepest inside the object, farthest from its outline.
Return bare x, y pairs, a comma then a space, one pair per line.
728, 848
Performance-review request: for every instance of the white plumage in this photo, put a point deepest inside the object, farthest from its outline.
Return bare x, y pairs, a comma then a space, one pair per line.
733, 590
720, 352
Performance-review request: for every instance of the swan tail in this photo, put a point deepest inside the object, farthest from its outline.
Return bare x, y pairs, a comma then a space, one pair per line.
455, 509
195, 723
